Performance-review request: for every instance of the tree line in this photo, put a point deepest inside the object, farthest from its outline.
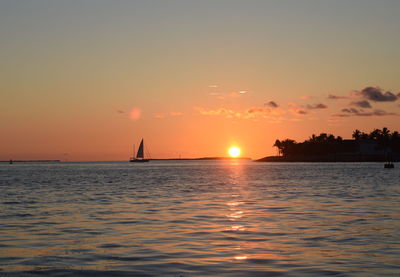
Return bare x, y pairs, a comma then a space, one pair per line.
325, 144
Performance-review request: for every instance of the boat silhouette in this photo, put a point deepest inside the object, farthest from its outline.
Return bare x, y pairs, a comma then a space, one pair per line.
389, 163
139, 158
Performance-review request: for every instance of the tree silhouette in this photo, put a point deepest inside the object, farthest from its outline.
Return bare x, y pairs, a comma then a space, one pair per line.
325, 144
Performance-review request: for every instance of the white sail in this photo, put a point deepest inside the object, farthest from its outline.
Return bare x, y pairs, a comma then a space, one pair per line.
140, 152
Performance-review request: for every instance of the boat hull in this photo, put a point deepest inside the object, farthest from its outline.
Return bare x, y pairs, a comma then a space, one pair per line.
139, 160
389, 165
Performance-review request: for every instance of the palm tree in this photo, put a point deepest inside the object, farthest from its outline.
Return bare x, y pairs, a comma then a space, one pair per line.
356, 134
278, 144
395, 135
331, 138
385, 133
385, 136
287, 146
375, 134
313, 138
322, 137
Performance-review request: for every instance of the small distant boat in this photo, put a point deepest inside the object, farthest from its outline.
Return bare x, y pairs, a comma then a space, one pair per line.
140, 155
389, 163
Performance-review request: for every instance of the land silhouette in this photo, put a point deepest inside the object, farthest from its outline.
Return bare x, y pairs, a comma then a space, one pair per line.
378, 145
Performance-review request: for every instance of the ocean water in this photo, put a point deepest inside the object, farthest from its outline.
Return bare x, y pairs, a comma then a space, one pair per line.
199, 218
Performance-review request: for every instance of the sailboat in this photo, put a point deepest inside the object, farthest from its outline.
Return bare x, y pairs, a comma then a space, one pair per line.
140, 155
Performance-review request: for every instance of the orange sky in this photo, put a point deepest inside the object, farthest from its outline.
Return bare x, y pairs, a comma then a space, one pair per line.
86, 81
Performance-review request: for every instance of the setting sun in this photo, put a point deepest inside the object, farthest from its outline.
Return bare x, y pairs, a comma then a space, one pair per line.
234, 151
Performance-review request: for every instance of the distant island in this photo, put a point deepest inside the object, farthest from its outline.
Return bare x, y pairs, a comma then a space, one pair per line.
30, 161
202, 159
376, 146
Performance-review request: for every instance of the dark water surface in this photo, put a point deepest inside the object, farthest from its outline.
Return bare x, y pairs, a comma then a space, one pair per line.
193, 218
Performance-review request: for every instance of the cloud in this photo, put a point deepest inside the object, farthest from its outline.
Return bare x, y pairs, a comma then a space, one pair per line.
336, 97
219, 111
361, 104
351, 110
359, 112
226, 95
319, 106
238, 93
376, 94
164, 115
120, 111
257, 111
250, 113
298, 112
305, 97
213, 86
271, 104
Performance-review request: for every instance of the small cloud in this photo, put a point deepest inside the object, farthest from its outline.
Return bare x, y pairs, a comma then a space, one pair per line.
220, 111
258, 110
271, 104
319, 106
120, 111
336, 97
213, 86
135, 114
360, 112
351, 110
237, 93
298, 111
253, 113
376, 94
305, 97
214, 93
361, 104
164, 115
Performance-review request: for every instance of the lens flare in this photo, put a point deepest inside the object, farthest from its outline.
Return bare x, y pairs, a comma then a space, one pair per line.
135, 114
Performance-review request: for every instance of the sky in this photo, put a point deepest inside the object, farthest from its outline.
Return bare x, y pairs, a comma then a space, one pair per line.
86, 80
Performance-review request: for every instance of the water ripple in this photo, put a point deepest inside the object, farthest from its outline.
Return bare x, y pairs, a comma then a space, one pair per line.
191, 218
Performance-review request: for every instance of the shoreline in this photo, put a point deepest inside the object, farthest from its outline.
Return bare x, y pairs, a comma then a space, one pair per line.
328, 159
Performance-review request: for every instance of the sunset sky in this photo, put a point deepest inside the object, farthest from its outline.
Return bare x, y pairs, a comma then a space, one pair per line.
85, 80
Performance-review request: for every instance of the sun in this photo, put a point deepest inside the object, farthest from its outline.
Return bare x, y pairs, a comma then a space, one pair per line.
234, 151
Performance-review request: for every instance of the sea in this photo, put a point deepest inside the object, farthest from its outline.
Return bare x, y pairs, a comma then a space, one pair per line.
199, 218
